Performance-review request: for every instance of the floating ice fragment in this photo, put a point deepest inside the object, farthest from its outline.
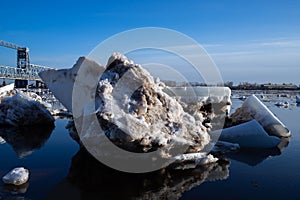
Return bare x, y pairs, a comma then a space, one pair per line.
16, 176
282, 104
151, 118
253, 108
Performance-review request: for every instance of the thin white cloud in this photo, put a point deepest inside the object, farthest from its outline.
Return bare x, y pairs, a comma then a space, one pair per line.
189, 47
213, 45
234, 53
294, 43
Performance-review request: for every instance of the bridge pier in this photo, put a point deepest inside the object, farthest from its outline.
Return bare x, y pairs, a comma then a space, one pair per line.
21, 83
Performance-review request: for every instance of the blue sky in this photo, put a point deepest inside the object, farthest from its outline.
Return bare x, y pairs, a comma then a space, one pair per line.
255, 41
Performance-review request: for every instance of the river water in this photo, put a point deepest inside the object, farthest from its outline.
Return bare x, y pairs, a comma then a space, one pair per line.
59, 169
261, 174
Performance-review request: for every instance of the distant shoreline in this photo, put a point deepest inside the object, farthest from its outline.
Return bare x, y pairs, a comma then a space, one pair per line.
265, 89
241, 86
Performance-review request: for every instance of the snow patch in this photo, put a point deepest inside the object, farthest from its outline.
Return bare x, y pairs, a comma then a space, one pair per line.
199, 158
6, 89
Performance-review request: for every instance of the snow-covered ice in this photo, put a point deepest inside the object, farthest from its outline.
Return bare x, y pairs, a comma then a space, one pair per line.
253, 108
22, 110
202, 94
133, 109
138, 114
199, 158
209, 105
61, 81
146, 117
6, 89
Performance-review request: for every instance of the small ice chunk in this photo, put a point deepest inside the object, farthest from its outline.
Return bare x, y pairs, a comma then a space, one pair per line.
17, 176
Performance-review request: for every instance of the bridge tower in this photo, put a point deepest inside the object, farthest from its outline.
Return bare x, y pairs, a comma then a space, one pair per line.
22, 63
24, 71
22, 60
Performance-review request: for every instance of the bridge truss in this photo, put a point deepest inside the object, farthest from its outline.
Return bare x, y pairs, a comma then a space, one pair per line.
29, 73
24, 70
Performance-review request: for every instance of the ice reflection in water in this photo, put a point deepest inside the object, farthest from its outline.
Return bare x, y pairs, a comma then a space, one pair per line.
89, 179
24, 140
254, 157
16, 189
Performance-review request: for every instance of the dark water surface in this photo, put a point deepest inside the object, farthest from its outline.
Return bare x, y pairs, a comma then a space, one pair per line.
59, 169
48, 162
257, 175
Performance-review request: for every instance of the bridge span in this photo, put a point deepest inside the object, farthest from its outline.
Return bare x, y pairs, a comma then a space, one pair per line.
25, 71
30, 73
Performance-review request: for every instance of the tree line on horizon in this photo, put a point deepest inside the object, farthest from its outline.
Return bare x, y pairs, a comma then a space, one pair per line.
240, 86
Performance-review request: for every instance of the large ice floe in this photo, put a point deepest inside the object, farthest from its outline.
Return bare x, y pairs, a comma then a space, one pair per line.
21, 110
132, 109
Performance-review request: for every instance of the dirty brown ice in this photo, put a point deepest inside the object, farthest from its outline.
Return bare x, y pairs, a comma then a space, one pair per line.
133, 110
159, 119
